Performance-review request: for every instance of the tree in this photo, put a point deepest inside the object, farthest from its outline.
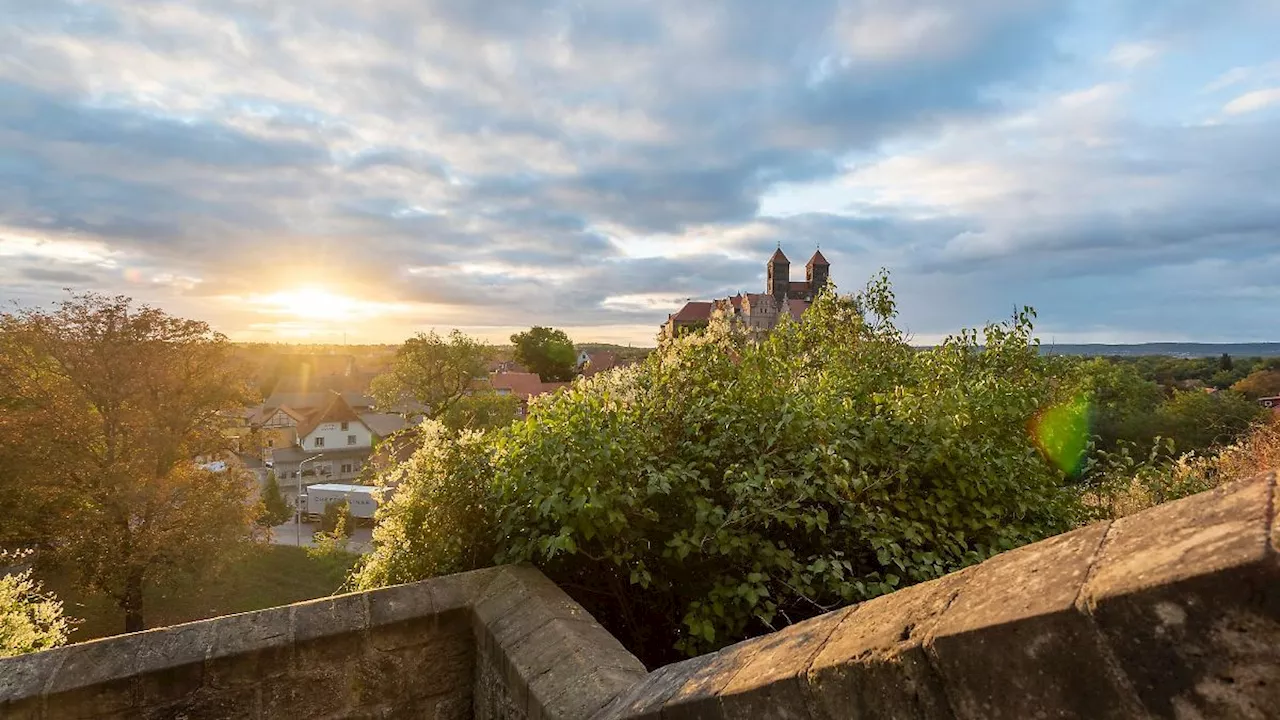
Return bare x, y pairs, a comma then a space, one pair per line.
108, 404
1225, 362
275, 509
546, 351
432, 371
1259, 384
482, 411
1198, 421
726, 487
337, 519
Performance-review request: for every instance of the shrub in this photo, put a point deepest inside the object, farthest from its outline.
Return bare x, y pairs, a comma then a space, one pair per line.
436, 518
30, 619
274, 508
337, 520
726, 488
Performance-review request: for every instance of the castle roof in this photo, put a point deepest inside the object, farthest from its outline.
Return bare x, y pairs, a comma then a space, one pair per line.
779, 257
693, 312
817, 259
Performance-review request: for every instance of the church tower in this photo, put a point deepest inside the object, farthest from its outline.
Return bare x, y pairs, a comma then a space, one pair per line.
779, 281
817, 272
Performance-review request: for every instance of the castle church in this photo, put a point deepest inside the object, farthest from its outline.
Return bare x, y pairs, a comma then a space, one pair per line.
760, 312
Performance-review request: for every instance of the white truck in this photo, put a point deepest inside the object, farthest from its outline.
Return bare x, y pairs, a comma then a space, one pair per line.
362, 499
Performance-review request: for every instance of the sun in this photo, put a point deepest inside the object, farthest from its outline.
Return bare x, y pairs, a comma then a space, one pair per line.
310, 303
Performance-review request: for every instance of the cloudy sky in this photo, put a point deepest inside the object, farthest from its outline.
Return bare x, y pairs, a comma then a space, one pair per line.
297, 169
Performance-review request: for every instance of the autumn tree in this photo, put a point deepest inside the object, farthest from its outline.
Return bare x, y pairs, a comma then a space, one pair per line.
432, 371
1259, 384
546, 351
106, 406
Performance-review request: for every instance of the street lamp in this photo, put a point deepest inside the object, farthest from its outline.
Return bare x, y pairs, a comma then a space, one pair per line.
297, 502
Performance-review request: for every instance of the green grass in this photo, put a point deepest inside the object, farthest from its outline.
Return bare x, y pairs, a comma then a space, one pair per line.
267, 575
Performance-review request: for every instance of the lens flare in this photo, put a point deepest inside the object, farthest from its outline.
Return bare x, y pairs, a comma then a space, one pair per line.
1062, 433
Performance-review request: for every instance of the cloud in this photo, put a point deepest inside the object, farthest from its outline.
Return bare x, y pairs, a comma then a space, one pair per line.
1130, 55
1253, 101
554, 162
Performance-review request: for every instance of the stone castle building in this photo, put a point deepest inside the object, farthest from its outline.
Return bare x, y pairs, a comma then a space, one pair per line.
761, 312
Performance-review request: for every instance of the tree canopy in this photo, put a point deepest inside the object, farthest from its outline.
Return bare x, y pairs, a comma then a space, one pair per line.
432, 371
107, 405
546, 351
725, 487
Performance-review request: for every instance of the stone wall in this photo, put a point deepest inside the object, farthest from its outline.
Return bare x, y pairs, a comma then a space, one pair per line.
496, 643
1173, 613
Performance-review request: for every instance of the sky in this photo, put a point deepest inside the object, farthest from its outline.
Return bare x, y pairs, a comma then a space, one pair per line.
320, 170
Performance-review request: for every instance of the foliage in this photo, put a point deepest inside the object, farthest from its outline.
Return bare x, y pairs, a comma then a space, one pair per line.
337, 520
1121, 402
1259, 384
1198, 421
274, 508
437, 520
546, 351
106, 405
482, 411
432, 371
263, 576
726, 487
30, 618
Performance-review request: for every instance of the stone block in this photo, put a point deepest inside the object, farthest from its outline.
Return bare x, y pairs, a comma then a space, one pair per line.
250, 647
1187, 595
699, 697
206, 704
97, 678
171, 661
561, 652
26, 676
442, 664
328, 630
310, 695
644, 701
1013, 642
773, 684
874, 665
575, 696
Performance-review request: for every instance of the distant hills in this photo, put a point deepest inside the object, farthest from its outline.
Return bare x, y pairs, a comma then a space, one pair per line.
1171, 349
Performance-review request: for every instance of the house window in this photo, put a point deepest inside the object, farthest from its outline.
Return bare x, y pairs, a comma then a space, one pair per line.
271, 443
346, 467
351, 439
319, 442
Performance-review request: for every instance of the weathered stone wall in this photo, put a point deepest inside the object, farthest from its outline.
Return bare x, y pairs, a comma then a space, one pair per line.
391, 652
1173, 613
497, 643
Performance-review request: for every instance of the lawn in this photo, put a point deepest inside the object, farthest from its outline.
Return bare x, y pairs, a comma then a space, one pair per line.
266, 576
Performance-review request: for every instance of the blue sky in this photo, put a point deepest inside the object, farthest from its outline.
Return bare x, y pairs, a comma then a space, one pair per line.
300, 170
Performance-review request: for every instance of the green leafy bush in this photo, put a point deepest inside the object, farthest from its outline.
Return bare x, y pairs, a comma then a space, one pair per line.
30, 619
438, 518
274, 508
725, 488
337, 520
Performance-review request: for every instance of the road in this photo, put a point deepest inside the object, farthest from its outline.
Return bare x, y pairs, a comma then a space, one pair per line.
287, 534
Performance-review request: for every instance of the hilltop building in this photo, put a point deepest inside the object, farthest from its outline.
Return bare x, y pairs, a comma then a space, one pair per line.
761, 312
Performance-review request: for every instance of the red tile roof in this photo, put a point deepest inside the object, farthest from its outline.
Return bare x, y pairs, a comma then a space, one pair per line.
337, 410
778, 256
692, 312
817, 259
797, 308
523, 385
799, 286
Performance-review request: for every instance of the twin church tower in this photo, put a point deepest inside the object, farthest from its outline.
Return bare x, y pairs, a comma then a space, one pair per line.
760, 312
